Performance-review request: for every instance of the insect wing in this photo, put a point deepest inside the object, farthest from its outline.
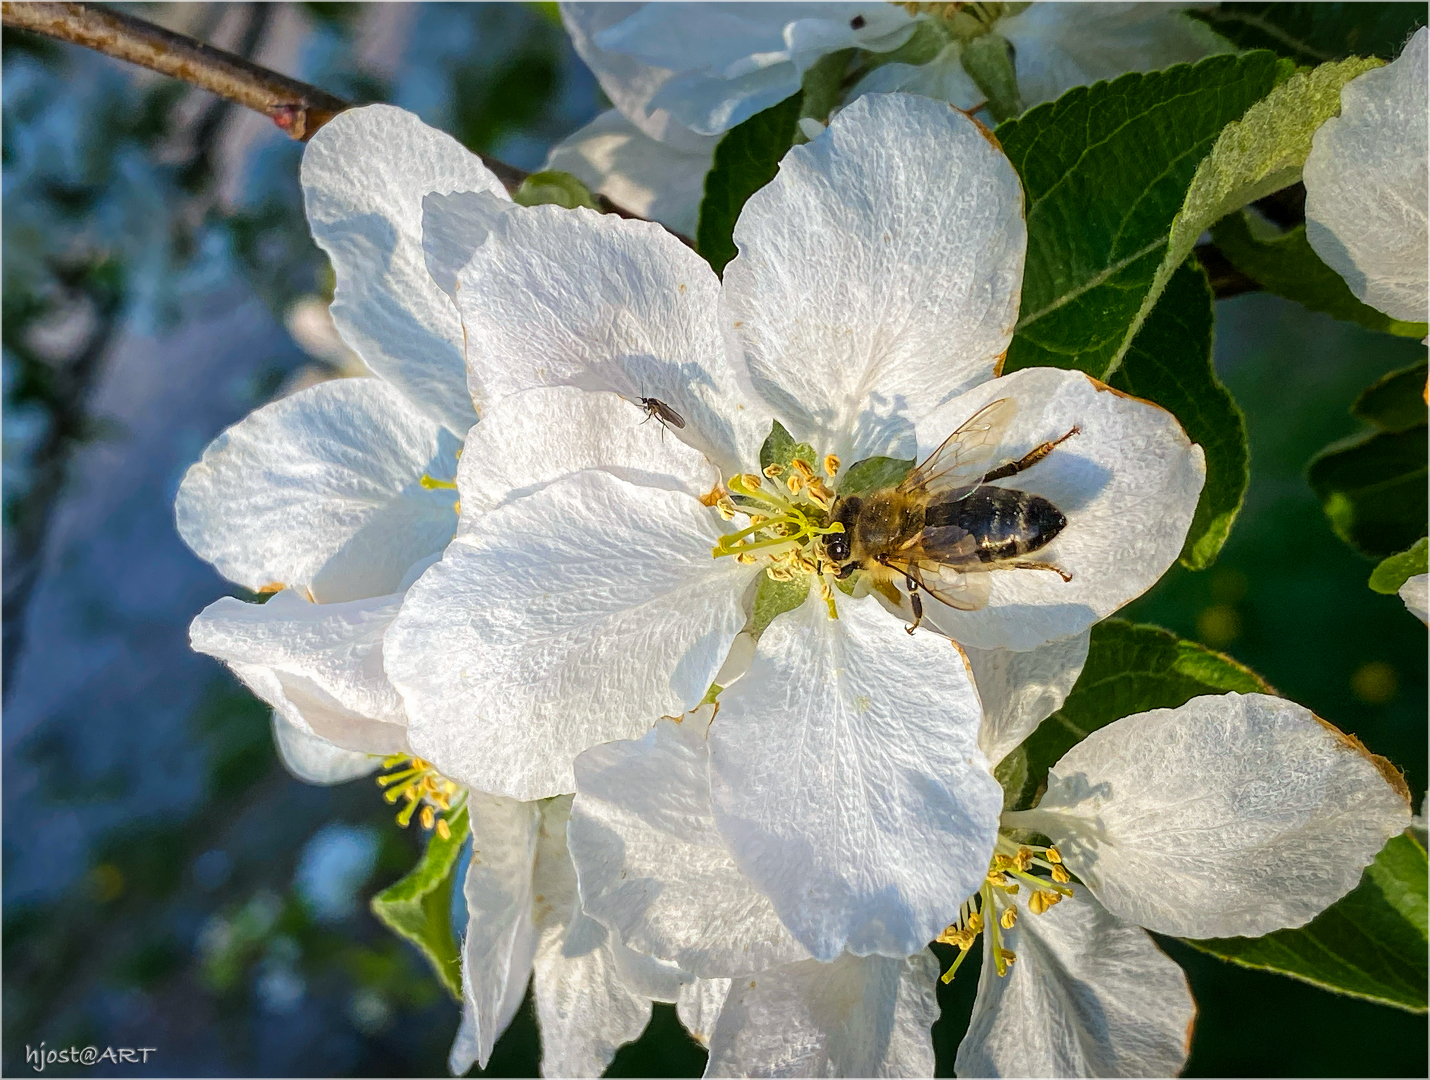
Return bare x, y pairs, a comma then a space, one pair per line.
947, 569
663, 412
965, 455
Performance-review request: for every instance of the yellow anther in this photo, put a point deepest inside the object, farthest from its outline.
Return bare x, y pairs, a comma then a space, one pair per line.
1060, 875
725, 508
443, 829
756, 520
1002, 862
1024, 858
1009, 918
751, 482
429, 819
975, 921
1007, 956
794, 483
746, 558
1052, 855
831, 466
774, 470
431, 483
780, 573
804, 468
1038, 902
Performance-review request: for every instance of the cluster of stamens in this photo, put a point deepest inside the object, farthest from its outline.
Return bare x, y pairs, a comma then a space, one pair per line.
431, 483
421, 787
788, 508
1009, 871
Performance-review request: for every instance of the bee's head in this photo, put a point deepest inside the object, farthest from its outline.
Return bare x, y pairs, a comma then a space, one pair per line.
837, 546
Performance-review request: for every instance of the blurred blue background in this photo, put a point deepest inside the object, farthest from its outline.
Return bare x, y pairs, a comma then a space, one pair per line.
166, 883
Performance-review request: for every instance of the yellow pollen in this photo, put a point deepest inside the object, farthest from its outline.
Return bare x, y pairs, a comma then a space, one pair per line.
831, 466
1009, 918
794, 483
1060, 875
423, 791
1052, 855
1024, 858
774, 470
725, 507
1008, 955
752, 481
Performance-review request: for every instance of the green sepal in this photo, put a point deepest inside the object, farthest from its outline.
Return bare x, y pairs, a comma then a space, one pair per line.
1312, 33
873, 473
1369, 944
779, 448
988, 60
418, 907
555, 187
1395, 571
1170, 362
1372, 488
1395, 402
1129, 669
775, 598
1284, 263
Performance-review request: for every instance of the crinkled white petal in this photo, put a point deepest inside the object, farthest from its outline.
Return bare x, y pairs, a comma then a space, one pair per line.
720, 64
1020, 690
531, 438
1416, 594
1367, 188
320, 665
584, 1007
878, 275
856, 1016
501, 927
322, 490
454, 225
1061, 45
558, 297
656, 180
313, 759
646, 976
562, 620
364, 177
652, 864
1089, 995
699, 1005
1228, 816
848, 782
1127, 483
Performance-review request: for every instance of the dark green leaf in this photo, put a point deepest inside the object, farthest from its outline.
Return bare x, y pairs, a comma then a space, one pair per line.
1170, 362
418, 907
874, 473
1130, 669
554, 186
780, 448
746, 159
1398, 569
1373, 489
1369, 944
775, 598
1105, 169
1284, 263
823, 85
1316, 32
1395, 402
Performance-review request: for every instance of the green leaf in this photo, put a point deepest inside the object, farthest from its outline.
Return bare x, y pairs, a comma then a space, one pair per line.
1372, 488
874, 473
775, 598
1394, 402
418, 908
554, 186
1170, 362
1105, 170
1284, 263
746, 159
780, 448
1130, 669
1369, 944
1398, 569
1317, 32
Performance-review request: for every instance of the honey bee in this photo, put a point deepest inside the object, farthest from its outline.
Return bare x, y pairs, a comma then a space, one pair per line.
662, 412
946, 525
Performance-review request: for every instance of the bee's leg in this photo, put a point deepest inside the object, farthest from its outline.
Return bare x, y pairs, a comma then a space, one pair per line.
1028, 460
1041, 566
917, 603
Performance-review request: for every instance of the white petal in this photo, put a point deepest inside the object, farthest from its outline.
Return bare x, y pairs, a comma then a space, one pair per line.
652, 864
719, 64
1062, 45
453, 226
562, 620
559, 297
699, 1005
656, 180
1367, 189
1128, 484
856, 1016
647, 977
320, 665
531, 438
848, 782
1229, 816
322, 490
583, 1005
501, 935
364, 176
1089, 995
942, 79
1416, 594
313, 759
878, 274
1020, 690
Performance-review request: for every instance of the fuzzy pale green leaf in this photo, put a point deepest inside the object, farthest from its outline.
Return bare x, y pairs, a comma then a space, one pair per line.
1400, 568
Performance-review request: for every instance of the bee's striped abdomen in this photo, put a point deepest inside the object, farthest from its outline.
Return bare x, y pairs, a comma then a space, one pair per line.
1006, 523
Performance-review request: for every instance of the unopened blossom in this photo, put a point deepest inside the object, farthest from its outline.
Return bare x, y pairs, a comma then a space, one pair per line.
1233, 815
602, 570
1416, 594
681, 75
1368, 186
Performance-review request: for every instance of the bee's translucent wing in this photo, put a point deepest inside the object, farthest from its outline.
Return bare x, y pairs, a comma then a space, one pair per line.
965, 455
964, 586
